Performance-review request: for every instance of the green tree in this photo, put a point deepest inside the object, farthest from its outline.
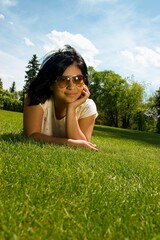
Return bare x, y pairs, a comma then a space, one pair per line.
157, 106
107, 90
11, 102
1, 92
31, 72
91, 71
96, 90
20, 95
117, 100
10, 99
1, 85
13, 88
131, 103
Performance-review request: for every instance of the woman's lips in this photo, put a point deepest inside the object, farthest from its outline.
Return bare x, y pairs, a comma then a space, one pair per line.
71, 94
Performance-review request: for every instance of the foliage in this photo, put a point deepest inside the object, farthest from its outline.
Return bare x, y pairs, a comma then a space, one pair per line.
157, 106
132, 103
117, 100
149, 116
13, 87
11, 100
1, 97
33, 67
1, 85
54, 192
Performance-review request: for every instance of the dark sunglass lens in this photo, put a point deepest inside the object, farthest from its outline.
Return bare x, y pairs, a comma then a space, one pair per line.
62, 80
78, 78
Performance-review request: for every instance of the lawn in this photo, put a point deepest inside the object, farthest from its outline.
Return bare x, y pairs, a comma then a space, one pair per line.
56, 192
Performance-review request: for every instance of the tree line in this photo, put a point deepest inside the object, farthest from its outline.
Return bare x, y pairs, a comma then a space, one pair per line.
120, 102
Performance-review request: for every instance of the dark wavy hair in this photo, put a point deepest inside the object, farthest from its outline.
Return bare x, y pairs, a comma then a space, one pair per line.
54, 65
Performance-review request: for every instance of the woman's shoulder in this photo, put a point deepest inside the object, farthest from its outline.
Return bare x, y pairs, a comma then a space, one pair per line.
89, 103
86, 109
47, 104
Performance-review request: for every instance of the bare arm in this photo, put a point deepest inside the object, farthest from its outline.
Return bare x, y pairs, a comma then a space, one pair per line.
32, 121
83, 128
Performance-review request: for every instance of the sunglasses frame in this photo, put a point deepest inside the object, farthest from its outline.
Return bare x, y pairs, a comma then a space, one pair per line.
69, 78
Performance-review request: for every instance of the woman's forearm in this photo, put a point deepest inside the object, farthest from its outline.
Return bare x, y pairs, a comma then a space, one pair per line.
62, 141
72, 127
40, 137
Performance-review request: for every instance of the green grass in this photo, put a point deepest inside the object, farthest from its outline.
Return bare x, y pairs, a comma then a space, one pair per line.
55, 192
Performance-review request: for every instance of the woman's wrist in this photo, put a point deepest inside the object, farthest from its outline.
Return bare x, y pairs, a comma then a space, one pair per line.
71, 110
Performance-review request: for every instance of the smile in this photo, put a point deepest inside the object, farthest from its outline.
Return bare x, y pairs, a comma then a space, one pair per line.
71, 94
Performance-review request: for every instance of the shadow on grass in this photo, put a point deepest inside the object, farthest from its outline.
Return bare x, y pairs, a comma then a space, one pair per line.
12, 137
17, 137
101, 131
119, 133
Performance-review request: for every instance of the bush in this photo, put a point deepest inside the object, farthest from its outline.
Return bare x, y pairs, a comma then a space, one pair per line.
12, 104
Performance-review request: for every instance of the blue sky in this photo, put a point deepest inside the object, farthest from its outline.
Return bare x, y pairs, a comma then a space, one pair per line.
118, 35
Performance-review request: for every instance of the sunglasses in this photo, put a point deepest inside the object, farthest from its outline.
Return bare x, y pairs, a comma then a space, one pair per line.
64, 81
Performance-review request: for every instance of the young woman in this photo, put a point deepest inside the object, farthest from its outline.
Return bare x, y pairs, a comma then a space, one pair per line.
57, 107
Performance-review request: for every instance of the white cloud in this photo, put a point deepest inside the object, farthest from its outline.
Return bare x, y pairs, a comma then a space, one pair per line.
9, 2
143, 56
6, 76
144, 64
28, 42
84, 46
12, 69
151, 56
2, 17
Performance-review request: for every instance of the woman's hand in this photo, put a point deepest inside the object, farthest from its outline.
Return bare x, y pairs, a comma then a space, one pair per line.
84, 96
82, 143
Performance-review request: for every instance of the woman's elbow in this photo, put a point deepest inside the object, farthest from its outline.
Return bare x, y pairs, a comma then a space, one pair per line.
29, 134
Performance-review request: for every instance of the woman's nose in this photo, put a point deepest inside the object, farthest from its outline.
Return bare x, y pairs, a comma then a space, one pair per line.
70, 84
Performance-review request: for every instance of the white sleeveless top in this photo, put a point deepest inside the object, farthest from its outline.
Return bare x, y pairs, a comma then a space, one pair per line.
51, 126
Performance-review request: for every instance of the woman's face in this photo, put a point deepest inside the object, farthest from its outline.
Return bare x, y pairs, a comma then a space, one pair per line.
71, 91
